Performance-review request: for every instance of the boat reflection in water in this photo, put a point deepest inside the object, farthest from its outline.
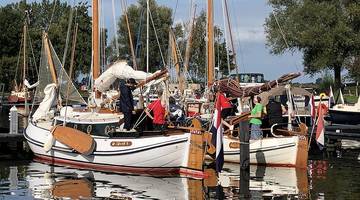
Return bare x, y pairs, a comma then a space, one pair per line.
46, 181
266, 181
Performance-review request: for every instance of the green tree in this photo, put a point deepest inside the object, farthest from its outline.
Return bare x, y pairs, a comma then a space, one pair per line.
41, 17
325, 31
198, 65
137, 21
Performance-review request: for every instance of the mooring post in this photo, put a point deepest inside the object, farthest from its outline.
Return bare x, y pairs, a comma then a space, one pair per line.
244, 159
14, 121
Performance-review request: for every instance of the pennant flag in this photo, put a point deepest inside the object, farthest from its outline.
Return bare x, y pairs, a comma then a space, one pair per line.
341, 97
217, 136
320, 129
331, 98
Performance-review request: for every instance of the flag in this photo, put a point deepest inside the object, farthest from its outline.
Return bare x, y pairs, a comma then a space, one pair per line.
217, 136
331, 98
341, 97
320, 129
312, 108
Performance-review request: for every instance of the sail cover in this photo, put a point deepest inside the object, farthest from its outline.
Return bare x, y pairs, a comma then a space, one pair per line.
63, 78
120, 70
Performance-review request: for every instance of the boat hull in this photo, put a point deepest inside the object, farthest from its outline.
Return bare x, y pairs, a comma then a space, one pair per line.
145, 155
344, 117
288, 151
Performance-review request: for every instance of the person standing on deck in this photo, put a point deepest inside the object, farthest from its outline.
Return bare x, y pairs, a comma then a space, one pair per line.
226, 108
126, 101
159, 111
255, 119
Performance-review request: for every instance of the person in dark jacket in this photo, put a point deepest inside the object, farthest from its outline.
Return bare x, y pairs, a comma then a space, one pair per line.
274, 111
126, 101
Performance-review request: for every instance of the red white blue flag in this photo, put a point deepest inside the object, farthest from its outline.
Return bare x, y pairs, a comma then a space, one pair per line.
217, 135
320, 129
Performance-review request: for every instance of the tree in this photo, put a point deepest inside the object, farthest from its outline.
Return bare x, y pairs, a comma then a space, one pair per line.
325, 31
197, 66
40, 18
162, 18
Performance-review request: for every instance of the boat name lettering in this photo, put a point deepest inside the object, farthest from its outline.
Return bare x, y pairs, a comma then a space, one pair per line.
121, 143
234, 145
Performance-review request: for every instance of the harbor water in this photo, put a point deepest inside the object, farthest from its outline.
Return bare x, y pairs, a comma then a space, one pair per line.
330, 175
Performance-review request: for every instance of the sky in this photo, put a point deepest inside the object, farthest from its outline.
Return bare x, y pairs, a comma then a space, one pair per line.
247, 19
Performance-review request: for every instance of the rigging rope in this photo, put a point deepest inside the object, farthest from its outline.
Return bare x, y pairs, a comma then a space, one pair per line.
157, 38
283, 36
52, 16
226, 40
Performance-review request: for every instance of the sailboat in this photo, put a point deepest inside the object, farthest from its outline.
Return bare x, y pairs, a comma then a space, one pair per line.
286, 149
88, 138
20, 93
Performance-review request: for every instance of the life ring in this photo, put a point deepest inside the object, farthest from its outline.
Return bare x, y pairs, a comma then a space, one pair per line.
107, 130
75, 126
89, 129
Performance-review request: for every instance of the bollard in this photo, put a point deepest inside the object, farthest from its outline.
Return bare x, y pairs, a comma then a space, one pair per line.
14, 121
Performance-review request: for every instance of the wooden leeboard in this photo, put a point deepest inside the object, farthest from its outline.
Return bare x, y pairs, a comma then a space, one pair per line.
74, 189
196, 152
78, 140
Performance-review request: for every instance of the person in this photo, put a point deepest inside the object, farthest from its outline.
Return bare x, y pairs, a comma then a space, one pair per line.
226, 108
126, 101
255, 119
159, 111
274, 111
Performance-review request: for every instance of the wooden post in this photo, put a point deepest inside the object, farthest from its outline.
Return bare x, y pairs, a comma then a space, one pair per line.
244, 159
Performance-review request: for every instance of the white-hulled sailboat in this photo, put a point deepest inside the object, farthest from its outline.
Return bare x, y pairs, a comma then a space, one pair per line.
89, 141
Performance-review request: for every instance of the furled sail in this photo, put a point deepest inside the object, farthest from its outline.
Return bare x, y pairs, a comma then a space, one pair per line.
63, 78
233, 87
120, 70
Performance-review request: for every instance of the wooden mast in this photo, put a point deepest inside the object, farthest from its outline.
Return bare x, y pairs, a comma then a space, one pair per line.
50, 60
176, 61
129, 33
95, 43
189, 43
210, 44
24, 70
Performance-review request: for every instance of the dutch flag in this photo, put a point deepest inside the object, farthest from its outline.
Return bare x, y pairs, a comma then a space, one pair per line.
217, 135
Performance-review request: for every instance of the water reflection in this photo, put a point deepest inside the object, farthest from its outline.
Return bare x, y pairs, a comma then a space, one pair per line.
40, 181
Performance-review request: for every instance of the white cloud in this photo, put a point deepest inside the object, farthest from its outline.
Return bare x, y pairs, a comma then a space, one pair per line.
249, 34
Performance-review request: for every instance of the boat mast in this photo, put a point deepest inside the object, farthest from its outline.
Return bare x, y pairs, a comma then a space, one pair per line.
24, 72
176, 61
147, 36
50, 60
189, 43
95, 43
231, 40
210, 44
129, 34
